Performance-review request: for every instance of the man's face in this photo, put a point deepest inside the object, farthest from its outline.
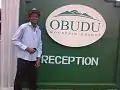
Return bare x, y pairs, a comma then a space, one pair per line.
34, 18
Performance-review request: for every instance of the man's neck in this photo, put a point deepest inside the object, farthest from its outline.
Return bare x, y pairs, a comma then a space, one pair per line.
34, 25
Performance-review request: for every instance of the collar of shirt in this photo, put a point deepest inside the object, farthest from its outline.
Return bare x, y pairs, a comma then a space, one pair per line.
30, 24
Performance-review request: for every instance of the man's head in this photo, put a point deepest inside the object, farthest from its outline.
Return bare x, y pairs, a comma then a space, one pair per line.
33, 16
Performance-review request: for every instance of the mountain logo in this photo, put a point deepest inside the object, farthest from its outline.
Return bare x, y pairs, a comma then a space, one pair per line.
75, 25
75, 13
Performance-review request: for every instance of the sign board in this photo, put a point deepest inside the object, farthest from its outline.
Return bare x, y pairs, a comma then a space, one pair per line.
80, 43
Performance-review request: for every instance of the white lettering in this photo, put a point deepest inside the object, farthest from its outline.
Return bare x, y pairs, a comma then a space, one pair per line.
83, 61
88, 61
78, 60
65, 60
94, 61
58, 58
72, 59
44, 59
51, 59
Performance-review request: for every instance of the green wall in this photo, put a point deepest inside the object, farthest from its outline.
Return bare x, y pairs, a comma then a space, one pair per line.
105, 75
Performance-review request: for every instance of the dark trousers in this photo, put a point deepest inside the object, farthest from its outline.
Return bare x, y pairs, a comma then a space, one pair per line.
26, 71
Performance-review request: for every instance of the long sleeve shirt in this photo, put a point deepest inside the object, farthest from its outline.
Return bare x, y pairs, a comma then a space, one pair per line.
27, 36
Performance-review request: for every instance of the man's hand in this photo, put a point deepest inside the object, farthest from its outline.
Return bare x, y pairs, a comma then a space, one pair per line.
30, 50
37, 64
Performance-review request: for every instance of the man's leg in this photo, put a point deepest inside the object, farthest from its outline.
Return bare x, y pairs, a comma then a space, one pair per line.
21, 69
32, 77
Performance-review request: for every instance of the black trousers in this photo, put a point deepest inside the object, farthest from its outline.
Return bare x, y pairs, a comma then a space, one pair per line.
26, 71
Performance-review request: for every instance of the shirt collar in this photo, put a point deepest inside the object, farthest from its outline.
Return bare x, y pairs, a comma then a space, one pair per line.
30, 24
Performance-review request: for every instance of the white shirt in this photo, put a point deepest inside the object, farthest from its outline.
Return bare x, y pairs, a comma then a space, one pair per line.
27, 36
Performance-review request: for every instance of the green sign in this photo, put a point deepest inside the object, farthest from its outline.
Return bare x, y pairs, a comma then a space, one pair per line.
80, 45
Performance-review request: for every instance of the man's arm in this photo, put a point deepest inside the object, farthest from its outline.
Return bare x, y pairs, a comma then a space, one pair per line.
39, 48
17, 38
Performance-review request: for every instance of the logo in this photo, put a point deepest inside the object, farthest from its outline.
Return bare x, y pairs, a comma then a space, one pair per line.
75, 25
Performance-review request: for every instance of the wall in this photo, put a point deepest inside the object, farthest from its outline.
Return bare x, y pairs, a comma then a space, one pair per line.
10, 14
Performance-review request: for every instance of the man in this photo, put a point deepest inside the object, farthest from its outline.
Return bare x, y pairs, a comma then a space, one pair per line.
27, 40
